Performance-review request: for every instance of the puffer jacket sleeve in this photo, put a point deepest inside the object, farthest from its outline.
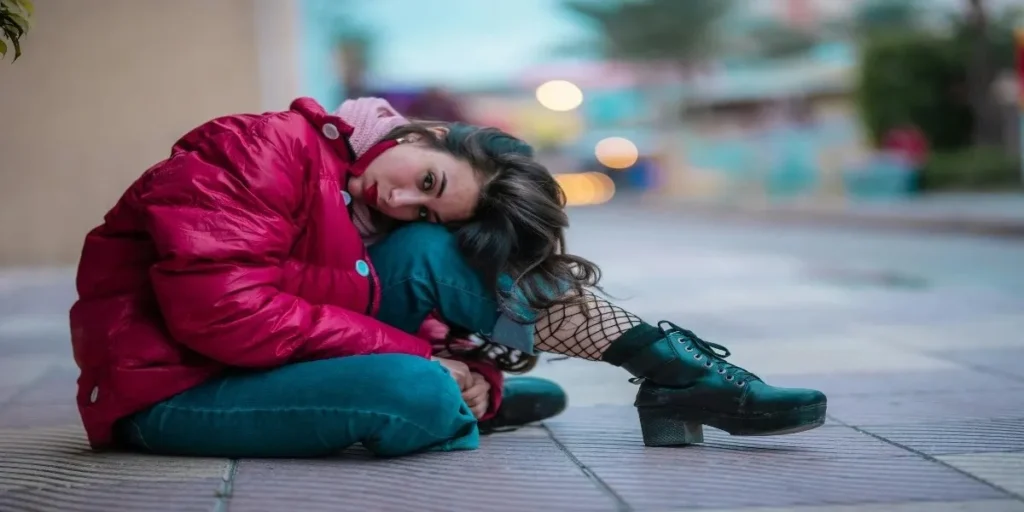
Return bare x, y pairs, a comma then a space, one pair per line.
221, 213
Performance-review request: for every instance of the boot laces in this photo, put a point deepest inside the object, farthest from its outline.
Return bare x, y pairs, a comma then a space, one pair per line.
713, 354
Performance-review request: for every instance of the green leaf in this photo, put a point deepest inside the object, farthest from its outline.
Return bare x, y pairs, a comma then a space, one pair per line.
8, 6
10, 32
21, 22
26, 5
14, 39
10, 27
3, 48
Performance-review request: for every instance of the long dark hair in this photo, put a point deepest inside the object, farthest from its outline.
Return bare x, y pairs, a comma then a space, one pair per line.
517, 229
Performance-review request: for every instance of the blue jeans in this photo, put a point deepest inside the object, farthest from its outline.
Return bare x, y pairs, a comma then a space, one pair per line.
391, 403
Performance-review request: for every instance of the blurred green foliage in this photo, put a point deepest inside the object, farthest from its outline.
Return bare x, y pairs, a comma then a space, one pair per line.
976, 168
916, 78
15, 20
920, 76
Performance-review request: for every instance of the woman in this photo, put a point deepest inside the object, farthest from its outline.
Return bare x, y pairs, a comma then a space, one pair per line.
245, 297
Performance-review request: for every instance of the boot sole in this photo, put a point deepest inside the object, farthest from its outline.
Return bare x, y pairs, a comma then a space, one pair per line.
663, 426
517, 413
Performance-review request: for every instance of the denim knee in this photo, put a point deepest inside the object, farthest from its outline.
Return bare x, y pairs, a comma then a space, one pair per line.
423, 392
423, 242
424, 260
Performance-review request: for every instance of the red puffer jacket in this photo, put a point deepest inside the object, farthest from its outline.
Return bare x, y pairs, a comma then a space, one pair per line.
237, 251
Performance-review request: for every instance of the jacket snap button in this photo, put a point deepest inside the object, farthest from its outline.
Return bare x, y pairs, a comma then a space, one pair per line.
346, 197
94, 395
331, 131
362, 268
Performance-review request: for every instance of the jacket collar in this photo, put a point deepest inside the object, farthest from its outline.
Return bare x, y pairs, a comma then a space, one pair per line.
336, 132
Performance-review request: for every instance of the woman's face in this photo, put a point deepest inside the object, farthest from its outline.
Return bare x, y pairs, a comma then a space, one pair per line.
414, 182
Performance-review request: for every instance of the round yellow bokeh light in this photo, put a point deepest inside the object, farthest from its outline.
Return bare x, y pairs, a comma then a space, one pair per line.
586, 188
616, 153
559, 95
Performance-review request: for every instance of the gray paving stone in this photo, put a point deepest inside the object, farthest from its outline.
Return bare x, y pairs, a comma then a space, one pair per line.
1005, 470
821, 443
43, 299
174, 496
900, 382
716, 483
926, 407
52, 468
984, 332
927, 506
934, 308
517, 471
6, 393
27, 345
824, 466
56, 386
59, 457
16, 372
997, 435
622, 421
38, 415
1007, 360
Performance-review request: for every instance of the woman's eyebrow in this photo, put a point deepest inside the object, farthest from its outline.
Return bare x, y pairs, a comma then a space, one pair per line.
444, 183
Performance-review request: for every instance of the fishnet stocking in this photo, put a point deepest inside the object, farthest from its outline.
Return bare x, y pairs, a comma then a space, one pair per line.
583, 330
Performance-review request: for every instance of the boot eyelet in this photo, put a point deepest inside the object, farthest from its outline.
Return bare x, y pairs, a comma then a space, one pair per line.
708, 364
697, 357
689, 348
741, 384
721, 371
729, 378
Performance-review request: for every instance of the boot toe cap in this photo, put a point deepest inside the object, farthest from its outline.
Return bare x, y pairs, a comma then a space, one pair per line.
770, 398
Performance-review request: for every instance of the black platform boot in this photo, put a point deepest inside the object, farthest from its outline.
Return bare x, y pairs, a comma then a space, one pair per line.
686, 383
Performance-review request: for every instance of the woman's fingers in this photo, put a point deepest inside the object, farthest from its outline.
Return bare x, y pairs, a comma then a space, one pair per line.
458, 370
479, 410
477, 390
477, 396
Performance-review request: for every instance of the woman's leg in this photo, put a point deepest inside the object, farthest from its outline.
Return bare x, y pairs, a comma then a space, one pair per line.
393, 404
421, 270
686, 381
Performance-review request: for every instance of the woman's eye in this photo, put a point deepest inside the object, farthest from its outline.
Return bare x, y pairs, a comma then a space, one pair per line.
424, 213
428, 181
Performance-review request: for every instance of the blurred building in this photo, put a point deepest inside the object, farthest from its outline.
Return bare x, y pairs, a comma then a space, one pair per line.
103, 89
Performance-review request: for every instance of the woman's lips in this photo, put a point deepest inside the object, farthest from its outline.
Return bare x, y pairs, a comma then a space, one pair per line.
370, 195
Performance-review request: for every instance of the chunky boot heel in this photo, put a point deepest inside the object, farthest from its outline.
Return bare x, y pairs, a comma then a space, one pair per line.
663, 427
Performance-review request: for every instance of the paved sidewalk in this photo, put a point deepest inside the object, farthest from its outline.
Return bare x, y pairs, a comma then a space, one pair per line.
926, 391
997, 214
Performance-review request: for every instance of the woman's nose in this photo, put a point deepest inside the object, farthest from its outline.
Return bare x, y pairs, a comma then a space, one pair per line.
401, 198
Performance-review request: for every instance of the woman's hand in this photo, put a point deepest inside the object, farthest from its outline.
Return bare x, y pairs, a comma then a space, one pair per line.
478, 394
458, 370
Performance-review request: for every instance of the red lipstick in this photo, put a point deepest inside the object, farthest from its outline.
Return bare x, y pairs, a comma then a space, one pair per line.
370, 195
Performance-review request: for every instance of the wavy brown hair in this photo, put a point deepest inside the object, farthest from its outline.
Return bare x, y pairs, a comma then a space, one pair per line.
517, 229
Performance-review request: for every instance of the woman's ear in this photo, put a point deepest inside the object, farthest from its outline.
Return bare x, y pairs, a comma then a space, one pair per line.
440, 131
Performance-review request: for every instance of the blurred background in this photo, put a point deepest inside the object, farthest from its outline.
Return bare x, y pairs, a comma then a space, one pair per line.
823, 104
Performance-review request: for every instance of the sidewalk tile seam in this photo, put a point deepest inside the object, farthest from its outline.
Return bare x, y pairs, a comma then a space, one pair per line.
940, 462
226, 490
621, 504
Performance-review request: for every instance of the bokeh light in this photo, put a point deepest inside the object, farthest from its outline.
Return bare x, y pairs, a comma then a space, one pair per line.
586, 188
616, 153
559, 95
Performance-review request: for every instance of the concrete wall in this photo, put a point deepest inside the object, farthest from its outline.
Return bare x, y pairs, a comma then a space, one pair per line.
105, 87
